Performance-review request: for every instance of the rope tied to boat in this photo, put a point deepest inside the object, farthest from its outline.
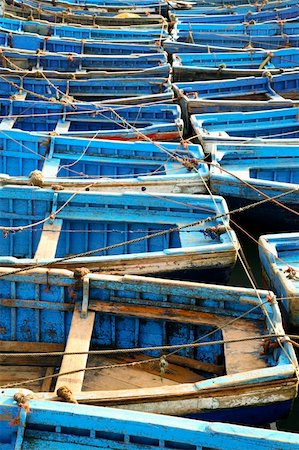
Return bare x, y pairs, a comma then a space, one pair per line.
66, 395
163, 363
190, 163
22, 400
36, 178
291, 273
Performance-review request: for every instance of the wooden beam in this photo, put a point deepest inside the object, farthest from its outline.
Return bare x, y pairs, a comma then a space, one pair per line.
49, 240
30, 347
78, 341
156, 312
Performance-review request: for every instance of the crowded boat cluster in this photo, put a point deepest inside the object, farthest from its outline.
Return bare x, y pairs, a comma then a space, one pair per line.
139, 143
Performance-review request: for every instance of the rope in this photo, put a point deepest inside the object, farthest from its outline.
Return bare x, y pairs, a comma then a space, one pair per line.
135, 363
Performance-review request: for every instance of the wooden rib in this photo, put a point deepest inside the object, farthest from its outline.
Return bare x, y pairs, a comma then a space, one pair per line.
46, 386
78, 341
49, 240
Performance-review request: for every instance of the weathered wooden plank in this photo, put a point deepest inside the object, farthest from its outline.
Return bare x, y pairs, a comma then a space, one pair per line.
33, 304
28, 347
49, 240
196, 365
78, 341
154, 312
246, 355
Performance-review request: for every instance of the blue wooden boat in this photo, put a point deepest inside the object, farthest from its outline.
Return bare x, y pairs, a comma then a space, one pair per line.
239, 94
149, 34
195, 37
91, 16
245, 174
31, 41
279, 255
101, 165
27, 60
152, 72
224, 376
262, 16
137, 122
220, 8
273, 125
116, 90
204, 66
101, 224
211, 7
118, 428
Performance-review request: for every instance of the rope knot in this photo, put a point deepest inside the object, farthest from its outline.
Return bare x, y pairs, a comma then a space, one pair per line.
36, 178
66, 395
163, 365
190, 163
80, 272
22, 400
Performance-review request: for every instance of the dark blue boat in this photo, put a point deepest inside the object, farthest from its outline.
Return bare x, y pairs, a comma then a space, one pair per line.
205, 66
138, 122
136, 325
239, 94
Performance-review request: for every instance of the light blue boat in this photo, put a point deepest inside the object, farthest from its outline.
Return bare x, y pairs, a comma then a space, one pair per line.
220, 8
27, 60
34, 42
127, 320
147, 35
136, 122
204, 66
262, 16
279, 255
101, 165
86, 15
108, 232
279, 126
239, 94
101, 428
152, 72
245, 174
111, 89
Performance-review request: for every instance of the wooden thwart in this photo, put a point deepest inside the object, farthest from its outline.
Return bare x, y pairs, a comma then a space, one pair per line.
49, 240
78, 341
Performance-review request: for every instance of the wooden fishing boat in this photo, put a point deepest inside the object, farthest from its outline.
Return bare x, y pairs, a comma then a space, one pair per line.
144, 325
34, 42
135, 429
118, 232
279, 126
140, 122
246, 174
92, 16
157, 71
287, 13
195, 37
118, 428
205, 66
136, 122
114, 90
279, 255
219, 8
238, 94
146, 34
27, 60
71, 163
